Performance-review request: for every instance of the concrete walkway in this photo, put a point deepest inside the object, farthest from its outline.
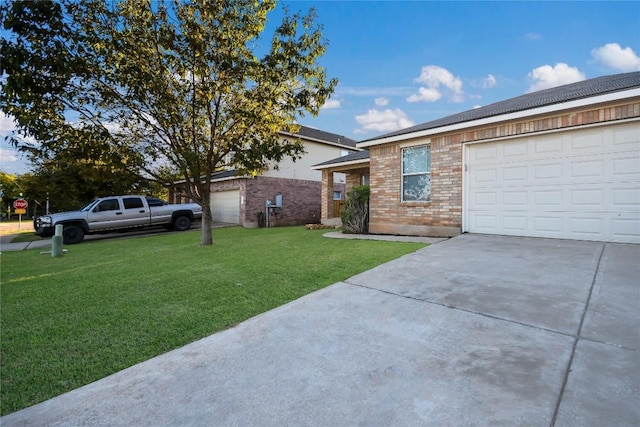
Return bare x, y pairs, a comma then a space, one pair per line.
472, 331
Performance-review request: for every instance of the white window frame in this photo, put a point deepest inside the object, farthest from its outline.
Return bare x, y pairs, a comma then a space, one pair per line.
426, 172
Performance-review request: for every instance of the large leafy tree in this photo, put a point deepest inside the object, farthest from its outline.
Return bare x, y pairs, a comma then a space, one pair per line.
180, 83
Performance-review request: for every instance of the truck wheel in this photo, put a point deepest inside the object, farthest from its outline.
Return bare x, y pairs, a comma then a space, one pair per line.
72, 234
182, 223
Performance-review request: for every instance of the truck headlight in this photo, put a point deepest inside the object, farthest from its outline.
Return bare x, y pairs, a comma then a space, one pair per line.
43, 221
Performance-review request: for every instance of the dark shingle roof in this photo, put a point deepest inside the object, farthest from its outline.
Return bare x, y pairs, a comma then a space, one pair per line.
224, 174
570, 92
358, 155
321, 135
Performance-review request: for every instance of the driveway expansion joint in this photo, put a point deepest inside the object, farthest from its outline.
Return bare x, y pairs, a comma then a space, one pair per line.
489, 316
577, 338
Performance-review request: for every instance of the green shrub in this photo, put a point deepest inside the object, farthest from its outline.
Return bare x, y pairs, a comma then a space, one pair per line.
355, 212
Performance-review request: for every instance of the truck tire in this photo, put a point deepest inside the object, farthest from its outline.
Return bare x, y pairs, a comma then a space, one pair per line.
72, 234
182, 223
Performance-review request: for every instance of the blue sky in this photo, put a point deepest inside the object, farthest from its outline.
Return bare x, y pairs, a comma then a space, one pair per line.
401, 63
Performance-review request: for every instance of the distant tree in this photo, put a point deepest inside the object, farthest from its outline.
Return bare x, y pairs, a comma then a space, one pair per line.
174, 84
9, 191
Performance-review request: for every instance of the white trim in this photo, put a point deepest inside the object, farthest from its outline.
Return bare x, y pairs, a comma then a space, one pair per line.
465, 187
340, 164
615, 96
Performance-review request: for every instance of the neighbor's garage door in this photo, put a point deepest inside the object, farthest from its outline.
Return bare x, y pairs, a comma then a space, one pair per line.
225, 206
582, 184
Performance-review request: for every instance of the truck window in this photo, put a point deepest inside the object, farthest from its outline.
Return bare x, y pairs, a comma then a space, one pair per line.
155, 202
132, 202
108, 205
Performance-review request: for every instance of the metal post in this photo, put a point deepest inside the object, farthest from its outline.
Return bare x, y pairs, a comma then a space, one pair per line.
56, 242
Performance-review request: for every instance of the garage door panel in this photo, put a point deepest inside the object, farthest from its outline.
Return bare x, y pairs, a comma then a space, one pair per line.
586, 142
587, 227
625, 199
486, 153
515, 223
552, 145
485, 176
580, 199
625, 137
514, 174
581, 185
548, 171
225, 206
516, 151
625, 229
548, 199
587, 168
547, 224
625, 167
514, 199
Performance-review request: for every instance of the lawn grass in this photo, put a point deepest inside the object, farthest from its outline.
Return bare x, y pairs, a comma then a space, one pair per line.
107, 305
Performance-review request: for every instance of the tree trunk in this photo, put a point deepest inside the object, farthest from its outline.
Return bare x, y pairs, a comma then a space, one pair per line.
206, 236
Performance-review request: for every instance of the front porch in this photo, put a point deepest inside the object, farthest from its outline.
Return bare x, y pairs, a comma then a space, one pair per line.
355, 167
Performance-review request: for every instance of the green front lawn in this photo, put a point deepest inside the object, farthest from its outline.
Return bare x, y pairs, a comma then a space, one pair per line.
107, 305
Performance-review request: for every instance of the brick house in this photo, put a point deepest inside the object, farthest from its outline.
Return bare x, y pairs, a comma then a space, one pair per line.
240, 199
559, 163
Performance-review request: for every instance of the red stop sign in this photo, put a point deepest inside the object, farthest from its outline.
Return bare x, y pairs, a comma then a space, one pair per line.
20, 204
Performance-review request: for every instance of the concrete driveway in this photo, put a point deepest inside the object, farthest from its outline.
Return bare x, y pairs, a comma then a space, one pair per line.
473, 331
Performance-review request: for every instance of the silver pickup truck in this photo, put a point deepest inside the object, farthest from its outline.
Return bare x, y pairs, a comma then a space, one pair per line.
114, 213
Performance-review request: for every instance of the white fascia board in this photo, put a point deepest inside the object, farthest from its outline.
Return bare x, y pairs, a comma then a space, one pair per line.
333, 165
598, 99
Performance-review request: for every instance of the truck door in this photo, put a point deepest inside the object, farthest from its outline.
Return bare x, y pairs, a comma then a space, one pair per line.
105, 215
135, 212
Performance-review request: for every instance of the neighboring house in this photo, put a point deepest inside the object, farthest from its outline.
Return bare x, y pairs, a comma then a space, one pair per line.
294, 185
560, 163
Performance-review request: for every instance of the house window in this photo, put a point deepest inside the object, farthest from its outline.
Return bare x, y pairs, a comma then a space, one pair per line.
364, 180
416, 173
337, 195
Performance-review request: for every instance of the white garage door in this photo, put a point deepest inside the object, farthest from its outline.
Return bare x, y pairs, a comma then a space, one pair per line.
225, 206
575, 185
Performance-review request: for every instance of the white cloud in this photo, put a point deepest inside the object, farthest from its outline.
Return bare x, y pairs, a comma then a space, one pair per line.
532, 36
489, 81
7, 155
7, 125
330, 104
435, 78
614, 56
382, 101
426, 95
383, 121
546, 76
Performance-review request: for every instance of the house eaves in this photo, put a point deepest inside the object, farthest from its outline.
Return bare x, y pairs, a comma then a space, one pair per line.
357, 158
323, 137
226, 175
588, 92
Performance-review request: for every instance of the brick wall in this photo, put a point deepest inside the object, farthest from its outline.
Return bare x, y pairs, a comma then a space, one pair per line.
300, 201
442, 215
